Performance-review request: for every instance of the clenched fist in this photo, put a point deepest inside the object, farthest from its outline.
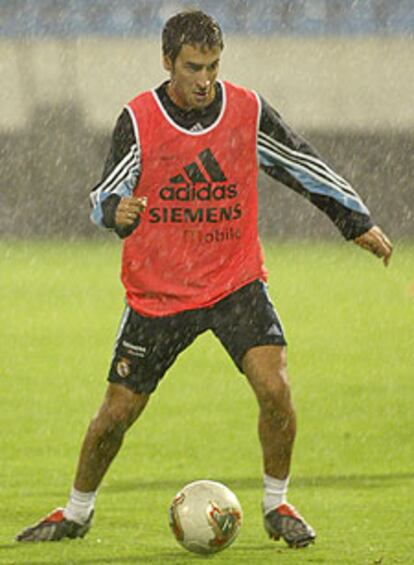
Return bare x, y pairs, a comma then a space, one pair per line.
375, 241
129, 209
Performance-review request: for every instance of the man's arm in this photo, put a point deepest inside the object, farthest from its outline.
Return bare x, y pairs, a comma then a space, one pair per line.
290, 159
113, 206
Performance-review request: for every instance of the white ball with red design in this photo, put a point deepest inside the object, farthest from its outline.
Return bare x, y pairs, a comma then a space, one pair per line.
205, 517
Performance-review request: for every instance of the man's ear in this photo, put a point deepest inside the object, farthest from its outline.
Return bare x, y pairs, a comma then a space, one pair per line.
167, 62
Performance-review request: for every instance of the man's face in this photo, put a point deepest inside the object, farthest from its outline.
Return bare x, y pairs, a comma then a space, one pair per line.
193, 75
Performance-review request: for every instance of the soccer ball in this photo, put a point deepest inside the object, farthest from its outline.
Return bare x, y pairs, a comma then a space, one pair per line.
205, 517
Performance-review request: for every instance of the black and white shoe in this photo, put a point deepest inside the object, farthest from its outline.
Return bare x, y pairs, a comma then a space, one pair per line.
286, 523
55, 527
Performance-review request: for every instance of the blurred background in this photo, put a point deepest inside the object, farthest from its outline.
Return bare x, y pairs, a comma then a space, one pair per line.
341, 73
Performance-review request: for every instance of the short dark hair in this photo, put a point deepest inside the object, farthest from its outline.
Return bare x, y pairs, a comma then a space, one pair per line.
190, 27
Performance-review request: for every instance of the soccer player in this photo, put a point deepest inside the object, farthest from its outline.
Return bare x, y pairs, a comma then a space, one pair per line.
180, 187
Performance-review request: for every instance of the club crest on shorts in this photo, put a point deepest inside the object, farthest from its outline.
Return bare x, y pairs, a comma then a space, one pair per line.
123, 367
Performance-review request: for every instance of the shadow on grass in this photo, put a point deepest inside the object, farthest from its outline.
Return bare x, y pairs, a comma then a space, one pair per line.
137, 558
179, 556
247, 483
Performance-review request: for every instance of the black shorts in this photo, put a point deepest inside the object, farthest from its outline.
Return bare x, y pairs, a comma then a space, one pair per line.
146, 347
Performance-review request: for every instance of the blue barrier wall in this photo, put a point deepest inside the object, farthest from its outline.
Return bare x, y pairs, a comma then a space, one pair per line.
126, 18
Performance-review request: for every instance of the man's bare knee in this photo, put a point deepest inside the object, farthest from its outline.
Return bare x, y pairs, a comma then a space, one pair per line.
119, 410
266, 370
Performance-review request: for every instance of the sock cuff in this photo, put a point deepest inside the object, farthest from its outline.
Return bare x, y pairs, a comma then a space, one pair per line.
82, 497
79, 506
272, 482
275, 491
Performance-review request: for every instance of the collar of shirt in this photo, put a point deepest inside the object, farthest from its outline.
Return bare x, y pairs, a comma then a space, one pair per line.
193, 120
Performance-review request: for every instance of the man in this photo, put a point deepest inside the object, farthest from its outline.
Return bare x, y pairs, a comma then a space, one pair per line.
180, 186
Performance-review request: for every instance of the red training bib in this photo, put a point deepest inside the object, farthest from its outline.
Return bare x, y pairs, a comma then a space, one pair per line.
198, 239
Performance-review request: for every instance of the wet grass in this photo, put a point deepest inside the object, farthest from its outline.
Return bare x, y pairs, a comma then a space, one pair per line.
349, 323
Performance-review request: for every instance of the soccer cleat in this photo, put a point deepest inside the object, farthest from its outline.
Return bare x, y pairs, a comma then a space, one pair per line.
285, 522
55, 527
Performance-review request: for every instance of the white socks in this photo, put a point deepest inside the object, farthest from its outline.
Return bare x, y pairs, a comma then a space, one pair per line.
79, 506
275, 491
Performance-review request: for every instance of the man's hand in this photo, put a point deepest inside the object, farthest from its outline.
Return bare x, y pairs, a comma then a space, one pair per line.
128, 210
377, 242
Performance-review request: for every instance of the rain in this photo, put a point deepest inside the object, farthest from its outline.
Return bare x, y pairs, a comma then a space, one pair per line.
340, 72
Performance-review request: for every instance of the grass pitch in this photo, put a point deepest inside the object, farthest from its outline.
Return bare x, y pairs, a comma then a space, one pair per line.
350, 327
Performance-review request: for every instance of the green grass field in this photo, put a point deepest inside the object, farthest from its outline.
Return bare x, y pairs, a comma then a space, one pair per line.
350, 326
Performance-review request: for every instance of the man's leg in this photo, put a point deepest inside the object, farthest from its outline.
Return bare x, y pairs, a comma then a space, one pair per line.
145, 349
104, 437
266, 370
119, 410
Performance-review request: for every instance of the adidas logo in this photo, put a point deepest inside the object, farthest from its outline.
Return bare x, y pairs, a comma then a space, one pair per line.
197, 127
202, 179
